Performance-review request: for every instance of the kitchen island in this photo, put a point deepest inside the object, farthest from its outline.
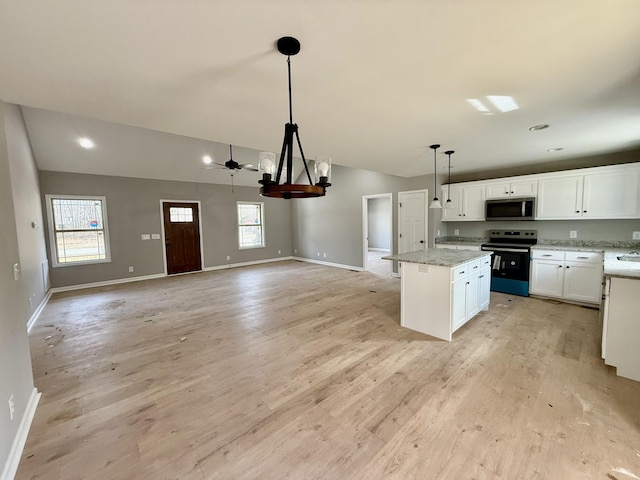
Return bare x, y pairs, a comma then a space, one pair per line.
442, 289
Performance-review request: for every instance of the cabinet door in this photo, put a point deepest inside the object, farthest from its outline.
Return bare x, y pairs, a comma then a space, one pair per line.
611, 195
498, 190
458, 303
455, 213
547, 277
484, 287
473, 202
583, 282
472, 295
559, 198
525, 188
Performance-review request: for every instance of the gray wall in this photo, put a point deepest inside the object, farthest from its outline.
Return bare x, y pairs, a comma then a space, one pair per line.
379, 223
15, 362
133, 208
333, 224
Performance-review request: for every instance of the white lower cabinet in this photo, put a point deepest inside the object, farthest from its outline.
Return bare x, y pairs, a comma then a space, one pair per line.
569, 275
438, 300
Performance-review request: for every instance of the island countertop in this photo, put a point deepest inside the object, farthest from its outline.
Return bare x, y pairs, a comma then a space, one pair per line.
440, 257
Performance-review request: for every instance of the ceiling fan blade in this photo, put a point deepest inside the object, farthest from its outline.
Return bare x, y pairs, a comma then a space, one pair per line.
249, 166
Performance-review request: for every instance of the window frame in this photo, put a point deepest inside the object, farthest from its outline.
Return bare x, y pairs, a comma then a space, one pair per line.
52, 230
261, 224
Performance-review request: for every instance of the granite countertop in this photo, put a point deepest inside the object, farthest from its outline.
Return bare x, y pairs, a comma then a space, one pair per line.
440, 257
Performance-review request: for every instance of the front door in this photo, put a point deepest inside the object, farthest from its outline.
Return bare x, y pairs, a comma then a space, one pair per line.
182, 237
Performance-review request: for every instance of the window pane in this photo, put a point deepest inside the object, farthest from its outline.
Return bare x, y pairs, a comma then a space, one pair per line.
181, 214
249, 214
80, 246
72, 214
250, 236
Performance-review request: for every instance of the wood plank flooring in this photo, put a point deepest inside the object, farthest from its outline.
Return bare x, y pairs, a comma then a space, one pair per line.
298, 371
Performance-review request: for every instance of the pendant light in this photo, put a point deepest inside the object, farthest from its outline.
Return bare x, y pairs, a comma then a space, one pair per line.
449, 203
435, 203
272, 177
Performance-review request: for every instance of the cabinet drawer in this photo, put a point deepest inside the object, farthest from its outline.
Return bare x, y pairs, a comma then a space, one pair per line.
460, 271
587, 257
548, 254
485, 262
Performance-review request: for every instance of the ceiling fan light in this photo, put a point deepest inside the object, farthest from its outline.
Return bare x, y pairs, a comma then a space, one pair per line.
207, 160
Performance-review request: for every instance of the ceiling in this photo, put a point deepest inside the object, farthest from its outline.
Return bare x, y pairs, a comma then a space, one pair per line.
376, 82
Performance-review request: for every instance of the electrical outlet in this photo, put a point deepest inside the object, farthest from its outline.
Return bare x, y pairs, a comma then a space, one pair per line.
155, 236
130, 268
324, 255
456, 232
318, 253
279, 252
573, 234
636, 236
12, 408
438, 233
145, 236
228, 257
16, 271
295, 250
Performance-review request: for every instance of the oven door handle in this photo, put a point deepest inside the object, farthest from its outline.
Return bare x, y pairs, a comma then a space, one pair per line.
515, 250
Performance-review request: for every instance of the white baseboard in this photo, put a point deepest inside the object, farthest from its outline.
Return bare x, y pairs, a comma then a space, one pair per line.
329, 264
11, 466
34, 318
245, 264
106, 283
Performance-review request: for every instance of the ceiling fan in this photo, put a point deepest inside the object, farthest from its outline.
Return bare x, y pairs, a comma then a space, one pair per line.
230, 165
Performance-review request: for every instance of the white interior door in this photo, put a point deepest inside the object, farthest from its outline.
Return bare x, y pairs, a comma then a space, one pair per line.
412, 220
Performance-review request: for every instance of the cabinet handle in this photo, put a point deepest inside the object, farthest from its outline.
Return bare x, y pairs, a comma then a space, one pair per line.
464, 214
547, 255
461, 272
559, 266
467, 283
511, 193
584, 211
475, 267
567, 266
481, 276
583, 258
577, 211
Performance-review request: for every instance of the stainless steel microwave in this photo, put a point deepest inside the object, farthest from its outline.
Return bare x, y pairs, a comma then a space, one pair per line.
511, 209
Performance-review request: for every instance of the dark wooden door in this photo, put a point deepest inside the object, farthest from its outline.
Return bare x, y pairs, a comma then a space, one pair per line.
182, 237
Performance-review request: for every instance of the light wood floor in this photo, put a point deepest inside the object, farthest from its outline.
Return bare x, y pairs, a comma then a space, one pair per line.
300, 371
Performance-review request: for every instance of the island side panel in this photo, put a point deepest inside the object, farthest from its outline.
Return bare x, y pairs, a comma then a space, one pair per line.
425, 299
623, 329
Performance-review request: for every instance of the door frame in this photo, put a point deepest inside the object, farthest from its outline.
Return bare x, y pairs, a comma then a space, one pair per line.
426, 219
162, 234
365, 226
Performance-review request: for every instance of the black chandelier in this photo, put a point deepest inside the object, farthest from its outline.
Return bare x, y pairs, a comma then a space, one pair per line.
267, 166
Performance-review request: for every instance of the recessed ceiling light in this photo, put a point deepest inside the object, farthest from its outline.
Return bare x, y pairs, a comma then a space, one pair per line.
504, 103
86, 142
557, 149
542, 126
207, 160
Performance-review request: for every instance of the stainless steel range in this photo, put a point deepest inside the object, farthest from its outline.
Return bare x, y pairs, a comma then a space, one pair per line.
510, 259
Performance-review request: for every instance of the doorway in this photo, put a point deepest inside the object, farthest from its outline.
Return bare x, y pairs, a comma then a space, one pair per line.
181, 232
377, 233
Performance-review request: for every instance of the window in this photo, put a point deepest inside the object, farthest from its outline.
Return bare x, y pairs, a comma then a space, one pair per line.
78, 229
250, 225
180, 214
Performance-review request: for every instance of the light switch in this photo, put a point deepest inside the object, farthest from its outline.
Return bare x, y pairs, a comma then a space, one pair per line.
155, 236
573, 234
145, 236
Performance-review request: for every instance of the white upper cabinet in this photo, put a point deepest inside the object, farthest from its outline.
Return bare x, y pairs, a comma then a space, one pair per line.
559, 198
607, 192
506, 189
468, 203
611, 195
